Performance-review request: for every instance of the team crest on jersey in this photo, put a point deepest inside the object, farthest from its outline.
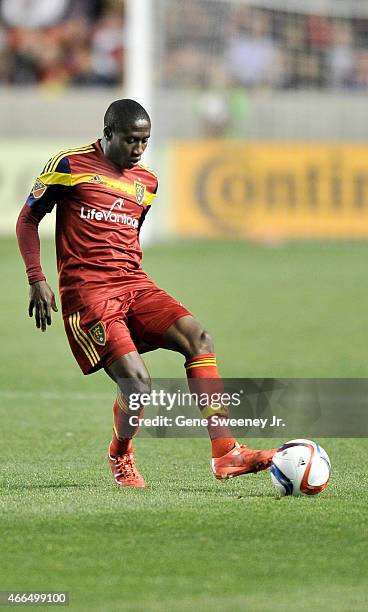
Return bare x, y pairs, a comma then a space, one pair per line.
98, 333
140, 192
38, 189
95, 179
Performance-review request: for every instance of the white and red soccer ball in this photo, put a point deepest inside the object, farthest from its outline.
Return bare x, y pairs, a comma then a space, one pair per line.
300, 467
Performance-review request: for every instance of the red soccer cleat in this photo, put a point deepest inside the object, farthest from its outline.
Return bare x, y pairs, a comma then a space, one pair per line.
124, 470
241, 460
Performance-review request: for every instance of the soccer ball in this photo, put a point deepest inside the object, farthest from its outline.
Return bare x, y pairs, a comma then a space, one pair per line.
300, 467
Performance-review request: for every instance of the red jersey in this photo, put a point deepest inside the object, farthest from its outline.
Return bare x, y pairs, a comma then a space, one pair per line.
100, 210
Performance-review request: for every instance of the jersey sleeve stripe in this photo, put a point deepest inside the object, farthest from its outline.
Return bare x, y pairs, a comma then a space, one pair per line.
68, 154
47, 167
53, 162
80, 338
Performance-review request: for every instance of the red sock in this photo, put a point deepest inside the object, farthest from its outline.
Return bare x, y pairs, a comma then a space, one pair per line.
123, 431
204, 378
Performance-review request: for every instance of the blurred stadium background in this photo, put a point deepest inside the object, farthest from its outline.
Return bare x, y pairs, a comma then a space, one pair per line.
259, 107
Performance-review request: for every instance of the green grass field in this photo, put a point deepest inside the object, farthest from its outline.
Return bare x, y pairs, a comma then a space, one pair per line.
186, 541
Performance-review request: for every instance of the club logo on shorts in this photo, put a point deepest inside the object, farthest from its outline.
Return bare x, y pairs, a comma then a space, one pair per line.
140, 192
98, 333
38, 189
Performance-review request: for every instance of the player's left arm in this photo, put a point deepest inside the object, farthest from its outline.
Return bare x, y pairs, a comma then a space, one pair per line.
153, 193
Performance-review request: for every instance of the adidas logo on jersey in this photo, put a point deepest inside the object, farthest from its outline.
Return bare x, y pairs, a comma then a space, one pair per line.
92, 214
95, 179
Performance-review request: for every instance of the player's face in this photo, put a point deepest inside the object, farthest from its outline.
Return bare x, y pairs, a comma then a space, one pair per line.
126, 148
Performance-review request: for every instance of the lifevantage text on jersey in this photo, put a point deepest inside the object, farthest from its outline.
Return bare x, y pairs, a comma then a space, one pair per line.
93, 214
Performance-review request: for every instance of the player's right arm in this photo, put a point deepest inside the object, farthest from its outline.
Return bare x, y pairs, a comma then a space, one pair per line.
41, 296
45, 193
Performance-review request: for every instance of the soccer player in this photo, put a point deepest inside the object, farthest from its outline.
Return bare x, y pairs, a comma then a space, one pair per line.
112, 310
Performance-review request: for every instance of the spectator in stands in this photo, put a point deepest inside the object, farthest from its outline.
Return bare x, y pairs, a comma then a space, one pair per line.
340, 56
26, 50
192, 56
252, 53
293, 39
107, 47
318, 32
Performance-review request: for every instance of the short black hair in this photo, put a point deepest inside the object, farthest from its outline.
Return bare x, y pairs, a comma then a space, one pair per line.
123, 113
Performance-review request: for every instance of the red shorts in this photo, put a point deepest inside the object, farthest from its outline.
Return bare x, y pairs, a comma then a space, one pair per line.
136, 321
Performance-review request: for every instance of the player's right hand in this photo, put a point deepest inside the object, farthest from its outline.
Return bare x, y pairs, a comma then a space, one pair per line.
41, 301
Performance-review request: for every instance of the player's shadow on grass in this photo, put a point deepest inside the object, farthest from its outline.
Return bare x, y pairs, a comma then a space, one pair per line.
49, 485
219, 489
